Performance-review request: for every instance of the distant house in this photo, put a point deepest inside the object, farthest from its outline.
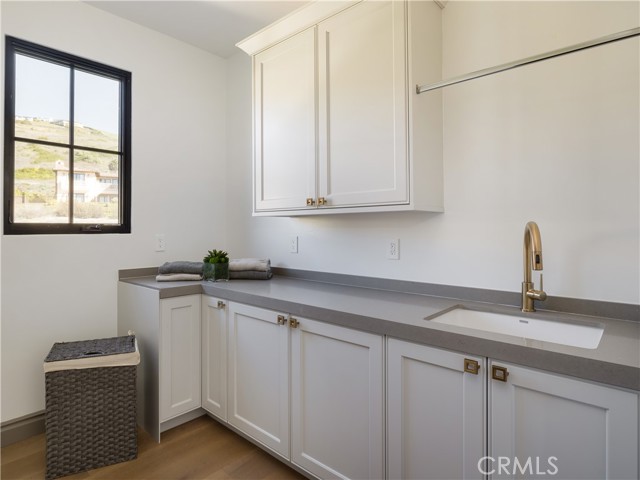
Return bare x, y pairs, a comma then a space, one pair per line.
88, 185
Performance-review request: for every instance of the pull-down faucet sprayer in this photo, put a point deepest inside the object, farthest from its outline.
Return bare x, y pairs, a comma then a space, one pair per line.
532, 251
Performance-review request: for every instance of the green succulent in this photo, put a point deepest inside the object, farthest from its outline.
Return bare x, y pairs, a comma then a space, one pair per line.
216, 256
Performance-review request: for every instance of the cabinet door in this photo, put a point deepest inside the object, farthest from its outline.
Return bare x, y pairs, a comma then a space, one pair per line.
435, 413
363, 106
547, 426
179, 355
337, 399
259, 376
285, 124
214, 356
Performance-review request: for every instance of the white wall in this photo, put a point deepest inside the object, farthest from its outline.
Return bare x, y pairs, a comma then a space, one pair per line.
556, 142
517, 147
64, 287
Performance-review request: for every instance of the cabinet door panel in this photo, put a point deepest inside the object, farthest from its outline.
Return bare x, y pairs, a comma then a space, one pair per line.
285, 123
259, 376
574, 428
363, 106
214, 357
179, 356
337, 401
435, 413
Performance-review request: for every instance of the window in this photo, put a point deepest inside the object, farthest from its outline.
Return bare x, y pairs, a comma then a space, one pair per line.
67, 143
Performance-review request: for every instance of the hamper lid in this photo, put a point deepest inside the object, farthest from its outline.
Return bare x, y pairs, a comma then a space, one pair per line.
103, 352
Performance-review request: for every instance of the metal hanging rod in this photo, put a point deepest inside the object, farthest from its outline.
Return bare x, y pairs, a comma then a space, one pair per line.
614, 37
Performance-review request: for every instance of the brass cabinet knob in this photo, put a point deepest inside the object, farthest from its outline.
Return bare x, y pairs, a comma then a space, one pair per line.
471, 366
322, 201
221, 304
499, 373
310, 202
282, 320
293, 323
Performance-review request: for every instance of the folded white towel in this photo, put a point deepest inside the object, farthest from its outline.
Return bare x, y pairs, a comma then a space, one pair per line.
244, 264
178, 277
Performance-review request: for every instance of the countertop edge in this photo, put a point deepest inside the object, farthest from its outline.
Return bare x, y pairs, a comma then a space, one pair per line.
600, 371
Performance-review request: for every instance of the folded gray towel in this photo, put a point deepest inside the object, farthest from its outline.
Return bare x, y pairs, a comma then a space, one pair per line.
243, 264
180, 267
250, 275
178, 277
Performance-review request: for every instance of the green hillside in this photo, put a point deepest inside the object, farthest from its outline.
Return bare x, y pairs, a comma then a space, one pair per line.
35, 165
29, 155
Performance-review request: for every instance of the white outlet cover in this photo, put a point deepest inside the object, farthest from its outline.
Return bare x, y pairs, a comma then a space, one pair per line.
293, 244
161, 244
393, 249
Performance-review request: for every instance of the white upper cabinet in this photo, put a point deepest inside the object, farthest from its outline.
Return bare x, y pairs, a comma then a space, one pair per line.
335, 108
363, 106
285, 123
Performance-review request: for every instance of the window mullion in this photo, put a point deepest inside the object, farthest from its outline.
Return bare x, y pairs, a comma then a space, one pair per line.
71, 141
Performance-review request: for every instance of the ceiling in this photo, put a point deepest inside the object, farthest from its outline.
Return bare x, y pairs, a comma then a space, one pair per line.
213, 25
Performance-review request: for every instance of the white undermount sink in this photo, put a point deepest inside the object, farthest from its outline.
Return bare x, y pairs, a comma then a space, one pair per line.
571, 334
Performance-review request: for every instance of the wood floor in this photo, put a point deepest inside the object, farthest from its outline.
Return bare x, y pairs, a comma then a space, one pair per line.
200, 449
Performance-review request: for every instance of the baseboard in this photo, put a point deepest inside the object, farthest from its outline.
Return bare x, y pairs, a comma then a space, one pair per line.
184, 418
21, 428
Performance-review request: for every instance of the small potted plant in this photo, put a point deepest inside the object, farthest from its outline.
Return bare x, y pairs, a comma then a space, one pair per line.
216, 266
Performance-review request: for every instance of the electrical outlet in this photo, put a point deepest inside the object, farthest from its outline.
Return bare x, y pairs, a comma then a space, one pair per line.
161, 244
293, 244
393, 249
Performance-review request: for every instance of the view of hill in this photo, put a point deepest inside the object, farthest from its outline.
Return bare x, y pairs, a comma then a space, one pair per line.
30, 155
35, 169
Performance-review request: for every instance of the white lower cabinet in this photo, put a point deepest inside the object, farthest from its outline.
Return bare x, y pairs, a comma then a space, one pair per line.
214, 356
179, 355
258, 379
337, 398
435, 413
559, 427
314, 393
538, 424
322, 382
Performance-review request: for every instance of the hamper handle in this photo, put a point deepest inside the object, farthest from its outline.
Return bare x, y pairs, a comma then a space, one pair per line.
91, 354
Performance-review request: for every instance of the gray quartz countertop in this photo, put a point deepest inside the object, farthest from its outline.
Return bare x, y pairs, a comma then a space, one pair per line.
616, 360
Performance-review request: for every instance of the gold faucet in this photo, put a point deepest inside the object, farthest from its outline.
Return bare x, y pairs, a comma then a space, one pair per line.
532, 259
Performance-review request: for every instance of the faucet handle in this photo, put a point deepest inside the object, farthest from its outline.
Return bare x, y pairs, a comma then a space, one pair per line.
542, 295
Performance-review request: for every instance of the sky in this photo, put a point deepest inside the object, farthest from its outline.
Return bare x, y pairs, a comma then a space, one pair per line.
42, 91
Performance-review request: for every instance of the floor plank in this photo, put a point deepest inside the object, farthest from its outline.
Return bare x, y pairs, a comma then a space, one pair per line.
200, 449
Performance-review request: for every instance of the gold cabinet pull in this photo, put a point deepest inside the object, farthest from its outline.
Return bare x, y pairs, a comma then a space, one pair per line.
471, 366
310, 202
293, 323
282, 320
221, 304
322, 201
499, 373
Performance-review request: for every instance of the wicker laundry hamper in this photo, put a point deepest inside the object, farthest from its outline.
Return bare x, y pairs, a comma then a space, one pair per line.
90, 418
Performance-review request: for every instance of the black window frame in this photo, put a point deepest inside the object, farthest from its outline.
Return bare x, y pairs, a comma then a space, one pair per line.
15, 46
